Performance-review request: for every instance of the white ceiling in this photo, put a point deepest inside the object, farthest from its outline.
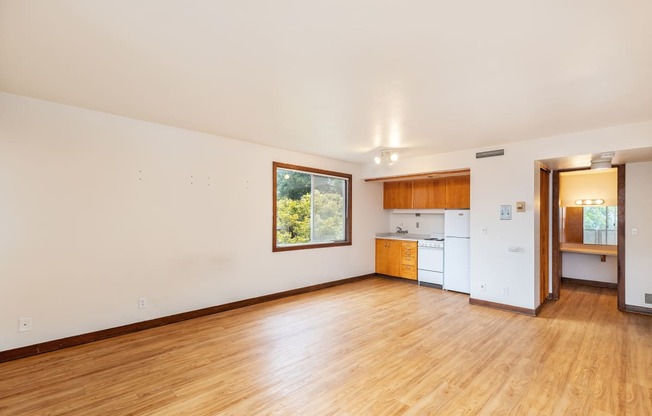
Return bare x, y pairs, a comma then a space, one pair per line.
340, 78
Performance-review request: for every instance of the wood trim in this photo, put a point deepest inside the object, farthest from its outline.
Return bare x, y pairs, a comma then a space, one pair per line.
594, 283
556, 238
637, 309
621, 238
504, 307
348, 238
544, 234
425, 175
48, 346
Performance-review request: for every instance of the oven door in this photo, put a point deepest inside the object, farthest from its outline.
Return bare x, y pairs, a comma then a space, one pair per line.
430, 265
431, 259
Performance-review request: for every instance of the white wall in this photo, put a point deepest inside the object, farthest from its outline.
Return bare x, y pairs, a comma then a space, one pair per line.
589, 267
98, 210
511, 178
638, 248
427, 223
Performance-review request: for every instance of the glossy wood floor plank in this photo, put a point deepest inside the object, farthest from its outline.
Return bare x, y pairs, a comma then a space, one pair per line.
373, 347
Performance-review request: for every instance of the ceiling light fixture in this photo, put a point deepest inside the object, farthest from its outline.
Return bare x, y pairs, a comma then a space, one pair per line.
387, 156
603, 161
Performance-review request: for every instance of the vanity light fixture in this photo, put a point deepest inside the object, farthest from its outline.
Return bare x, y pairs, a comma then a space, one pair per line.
387, 156
597, 201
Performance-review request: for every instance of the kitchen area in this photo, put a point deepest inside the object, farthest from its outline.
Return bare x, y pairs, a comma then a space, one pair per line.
428, 241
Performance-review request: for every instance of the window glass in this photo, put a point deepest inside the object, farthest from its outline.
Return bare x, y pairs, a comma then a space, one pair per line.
311, 208
600, 225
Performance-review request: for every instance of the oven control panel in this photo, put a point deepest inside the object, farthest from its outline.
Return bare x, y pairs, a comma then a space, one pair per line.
430, 243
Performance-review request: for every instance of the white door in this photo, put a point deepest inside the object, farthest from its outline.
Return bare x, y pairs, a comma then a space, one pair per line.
457, 223
457, 273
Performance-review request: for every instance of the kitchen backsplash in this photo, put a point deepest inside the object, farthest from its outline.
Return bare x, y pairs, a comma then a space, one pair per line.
427, 223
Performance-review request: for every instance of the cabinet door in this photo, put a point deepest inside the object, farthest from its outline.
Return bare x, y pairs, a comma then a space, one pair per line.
397, 195
394, 263
382, 256
458, 192
388, 257
429, 194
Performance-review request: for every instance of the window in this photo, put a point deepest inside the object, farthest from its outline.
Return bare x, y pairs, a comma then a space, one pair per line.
312, 208
600, 225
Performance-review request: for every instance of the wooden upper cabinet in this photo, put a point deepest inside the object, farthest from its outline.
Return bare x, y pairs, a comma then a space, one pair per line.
452, 193
458, 192
429, 194
397, 195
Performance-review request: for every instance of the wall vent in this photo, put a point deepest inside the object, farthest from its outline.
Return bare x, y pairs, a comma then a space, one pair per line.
648, 298
490, 153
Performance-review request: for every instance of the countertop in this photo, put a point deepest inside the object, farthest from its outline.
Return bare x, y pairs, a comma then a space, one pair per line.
599, 249
404, 237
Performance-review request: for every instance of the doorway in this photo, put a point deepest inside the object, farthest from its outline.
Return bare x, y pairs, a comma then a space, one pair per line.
556, 255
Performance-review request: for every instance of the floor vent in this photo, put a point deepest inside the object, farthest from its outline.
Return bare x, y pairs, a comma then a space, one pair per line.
648, 298
490, 153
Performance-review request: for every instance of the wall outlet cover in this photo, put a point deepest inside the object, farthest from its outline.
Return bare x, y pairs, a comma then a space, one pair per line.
505, 212
24, 324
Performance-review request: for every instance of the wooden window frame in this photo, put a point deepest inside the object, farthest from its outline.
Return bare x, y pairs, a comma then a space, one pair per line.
348, 209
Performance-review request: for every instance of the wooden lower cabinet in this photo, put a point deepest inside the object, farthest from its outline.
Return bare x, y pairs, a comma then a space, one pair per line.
409, 260
396, 258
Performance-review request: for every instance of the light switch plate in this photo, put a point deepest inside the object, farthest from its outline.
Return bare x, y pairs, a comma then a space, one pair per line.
505, 212
520, 206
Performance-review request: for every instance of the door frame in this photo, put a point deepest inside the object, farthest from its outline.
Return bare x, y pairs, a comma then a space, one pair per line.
544, 234
556, 231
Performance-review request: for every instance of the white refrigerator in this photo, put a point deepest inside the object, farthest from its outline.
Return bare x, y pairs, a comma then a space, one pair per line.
457, 247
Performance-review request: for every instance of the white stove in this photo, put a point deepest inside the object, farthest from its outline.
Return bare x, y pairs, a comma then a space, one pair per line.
430, 262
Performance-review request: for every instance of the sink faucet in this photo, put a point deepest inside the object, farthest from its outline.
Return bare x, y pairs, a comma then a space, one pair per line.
399, 230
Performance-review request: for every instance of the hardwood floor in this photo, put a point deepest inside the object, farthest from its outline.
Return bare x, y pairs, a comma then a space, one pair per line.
374, 347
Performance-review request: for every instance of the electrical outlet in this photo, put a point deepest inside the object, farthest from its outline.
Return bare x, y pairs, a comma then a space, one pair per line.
506, 290
483, 287
24, 324
142, 303
484, 230
417, 224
